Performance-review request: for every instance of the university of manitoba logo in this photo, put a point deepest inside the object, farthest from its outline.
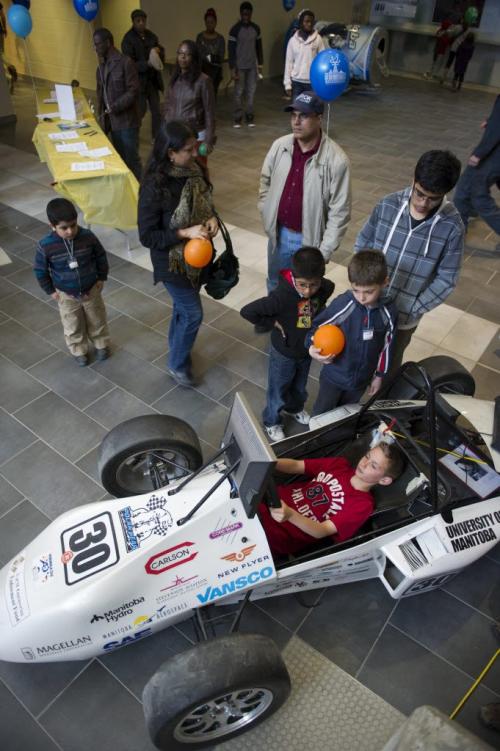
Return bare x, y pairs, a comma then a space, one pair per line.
335, 76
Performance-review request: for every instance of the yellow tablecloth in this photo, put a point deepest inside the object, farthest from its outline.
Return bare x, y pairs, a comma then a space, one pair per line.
108, 196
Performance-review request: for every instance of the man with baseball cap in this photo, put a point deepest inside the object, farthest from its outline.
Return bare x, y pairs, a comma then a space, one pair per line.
142, 46
305, 188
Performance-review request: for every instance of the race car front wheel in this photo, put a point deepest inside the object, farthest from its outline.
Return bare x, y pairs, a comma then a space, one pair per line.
215, 691
447, 374
146, 453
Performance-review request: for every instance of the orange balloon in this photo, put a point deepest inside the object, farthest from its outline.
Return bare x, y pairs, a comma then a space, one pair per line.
329, 339
198, 252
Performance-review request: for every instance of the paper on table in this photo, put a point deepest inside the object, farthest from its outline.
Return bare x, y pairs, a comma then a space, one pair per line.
41, 115
103, 151
66, 101
86, 166
67, 135
79, 146
51, 100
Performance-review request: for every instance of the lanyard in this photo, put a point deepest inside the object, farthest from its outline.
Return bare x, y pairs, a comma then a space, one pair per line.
68, 244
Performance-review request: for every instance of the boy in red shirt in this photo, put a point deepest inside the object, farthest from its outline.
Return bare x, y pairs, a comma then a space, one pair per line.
334, 502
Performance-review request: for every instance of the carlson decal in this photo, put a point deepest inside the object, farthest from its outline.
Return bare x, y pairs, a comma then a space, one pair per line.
89, 547
112, 645
139, 524
239, 556
472, 532
114, 615
213, 593
170, 558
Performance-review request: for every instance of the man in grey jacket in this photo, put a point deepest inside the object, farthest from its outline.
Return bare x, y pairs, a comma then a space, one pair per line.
305, 189
422, 237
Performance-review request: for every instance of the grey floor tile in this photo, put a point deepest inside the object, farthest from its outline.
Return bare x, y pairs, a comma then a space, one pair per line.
29, 311
232, 323
212, 309
52, 483
9, 496
18, 527
21, 345
479, 585
18, 387
20, 731
347, 622
14, 435
80, 386
13, 242
134, 375
26, 280
210, 343
97, 712
135, 277
494, 554
491, 355
138, 305
64, 427
255, 394
138, 339
486, 381
116, 407
88, 464
288, 610
55, 336
247, 362
16, 264
213, 380
204, 415
7, 291
444, 625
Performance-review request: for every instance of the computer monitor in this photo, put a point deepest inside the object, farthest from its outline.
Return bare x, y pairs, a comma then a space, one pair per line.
244, 439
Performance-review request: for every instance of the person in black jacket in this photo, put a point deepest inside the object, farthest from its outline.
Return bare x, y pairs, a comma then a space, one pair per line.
368, 325
175, 205
290, 308
483, 171
143, 47
245, 62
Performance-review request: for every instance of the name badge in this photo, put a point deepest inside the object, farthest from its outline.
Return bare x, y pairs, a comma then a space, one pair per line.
367, 334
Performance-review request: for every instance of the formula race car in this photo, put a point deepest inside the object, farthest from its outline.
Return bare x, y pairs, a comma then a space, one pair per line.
183, 538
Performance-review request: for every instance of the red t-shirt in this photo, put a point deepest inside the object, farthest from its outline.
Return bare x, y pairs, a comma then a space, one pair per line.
327, 496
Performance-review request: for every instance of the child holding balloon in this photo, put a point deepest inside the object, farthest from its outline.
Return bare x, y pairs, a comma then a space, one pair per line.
368, 327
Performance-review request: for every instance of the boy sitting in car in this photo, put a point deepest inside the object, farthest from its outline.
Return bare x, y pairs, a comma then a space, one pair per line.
334, 501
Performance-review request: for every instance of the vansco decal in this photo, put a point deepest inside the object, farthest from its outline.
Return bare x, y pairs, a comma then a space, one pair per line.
170, 558
89, 547
139, 524
213, 593
112, 645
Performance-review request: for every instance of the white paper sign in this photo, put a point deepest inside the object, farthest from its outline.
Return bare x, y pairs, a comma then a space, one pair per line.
87, 166
42, 115
66, 101
64, 147
51, 100
103, 151
66, 135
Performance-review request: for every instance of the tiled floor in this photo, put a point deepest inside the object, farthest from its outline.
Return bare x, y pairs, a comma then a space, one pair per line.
53, 415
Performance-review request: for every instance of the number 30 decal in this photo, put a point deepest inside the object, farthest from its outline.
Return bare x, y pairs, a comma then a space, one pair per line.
89, 547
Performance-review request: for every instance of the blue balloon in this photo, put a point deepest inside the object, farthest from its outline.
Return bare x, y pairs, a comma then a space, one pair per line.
87, 9
329, 74
288, 4
26, 3
19, 20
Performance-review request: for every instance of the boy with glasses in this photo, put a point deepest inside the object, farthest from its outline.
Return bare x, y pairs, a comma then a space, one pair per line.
422, 237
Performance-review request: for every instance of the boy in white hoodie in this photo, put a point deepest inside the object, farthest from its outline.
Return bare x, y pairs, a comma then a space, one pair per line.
301, 50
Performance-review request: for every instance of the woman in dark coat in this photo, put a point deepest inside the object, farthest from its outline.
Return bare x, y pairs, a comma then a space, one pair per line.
212, 48
175, 205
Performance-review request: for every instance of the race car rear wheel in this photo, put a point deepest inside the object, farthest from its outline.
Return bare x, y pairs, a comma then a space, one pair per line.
146, 453
215, 691
447, 374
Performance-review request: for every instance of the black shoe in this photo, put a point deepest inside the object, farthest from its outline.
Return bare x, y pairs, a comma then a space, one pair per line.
263, 328
102, 354
181, 377
82, 360
250, 122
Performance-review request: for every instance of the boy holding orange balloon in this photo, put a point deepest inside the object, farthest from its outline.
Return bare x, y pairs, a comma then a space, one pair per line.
359, 354
289, 310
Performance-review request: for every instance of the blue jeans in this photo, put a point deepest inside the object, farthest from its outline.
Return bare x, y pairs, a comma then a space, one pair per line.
473, 193
281, 256
244, 88
331, 396
187, 316
126, 142
286, 386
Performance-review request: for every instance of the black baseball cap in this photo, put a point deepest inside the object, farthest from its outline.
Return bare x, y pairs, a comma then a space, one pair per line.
307, 102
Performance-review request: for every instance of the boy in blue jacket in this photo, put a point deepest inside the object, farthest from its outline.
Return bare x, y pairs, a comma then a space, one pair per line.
368, 326
71, 266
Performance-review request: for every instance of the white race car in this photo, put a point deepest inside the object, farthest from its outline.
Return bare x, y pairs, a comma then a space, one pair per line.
182, 537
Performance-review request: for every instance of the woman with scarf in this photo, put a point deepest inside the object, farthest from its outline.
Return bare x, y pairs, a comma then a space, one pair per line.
175, 205
190, 97
301, 50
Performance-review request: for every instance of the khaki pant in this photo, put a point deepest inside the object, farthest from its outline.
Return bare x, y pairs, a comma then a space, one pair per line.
83, 318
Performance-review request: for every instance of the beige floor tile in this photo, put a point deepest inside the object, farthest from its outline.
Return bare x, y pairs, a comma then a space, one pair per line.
418, 349
470, 336
435, 325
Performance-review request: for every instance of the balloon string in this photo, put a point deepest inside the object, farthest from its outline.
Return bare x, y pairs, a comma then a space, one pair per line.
328, 119
31, 74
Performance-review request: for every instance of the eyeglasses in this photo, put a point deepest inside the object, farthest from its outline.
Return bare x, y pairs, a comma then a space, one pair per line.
424, 197
307, 285
301, 116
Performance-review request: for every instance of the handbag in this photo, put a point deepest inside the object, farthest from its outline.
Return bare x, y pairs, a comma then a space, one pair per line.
224, 273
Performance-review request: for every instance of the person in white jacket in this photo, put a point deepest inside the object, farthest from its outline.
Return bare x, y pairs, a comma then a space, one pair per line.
301, 50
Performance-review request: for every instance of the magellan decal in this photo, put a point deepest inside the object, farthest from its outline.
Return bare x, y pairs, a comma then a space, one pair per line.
170, 558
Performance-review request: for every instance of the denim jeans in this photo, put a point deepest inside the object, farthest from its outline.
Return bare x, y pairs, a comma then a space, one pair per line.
244, 88
472, 193
286, 386
126, 142
331, 396
281, 256
187, 316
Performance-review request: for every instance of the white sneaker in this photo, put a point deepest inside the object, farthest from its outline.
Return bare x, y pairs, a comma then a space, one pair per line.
275, 432
302, 417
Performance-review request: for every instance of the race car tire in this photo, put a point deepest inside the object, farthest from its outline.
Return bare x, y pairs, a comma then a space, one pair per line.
214, 691
125, 450
447, 374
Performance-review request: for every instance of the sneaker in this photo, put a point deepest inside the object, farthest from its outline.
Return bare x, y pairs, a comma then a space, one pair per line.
275, 432
181, 377
82, 360
237, 124
102, 354
302, 417
250, 122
